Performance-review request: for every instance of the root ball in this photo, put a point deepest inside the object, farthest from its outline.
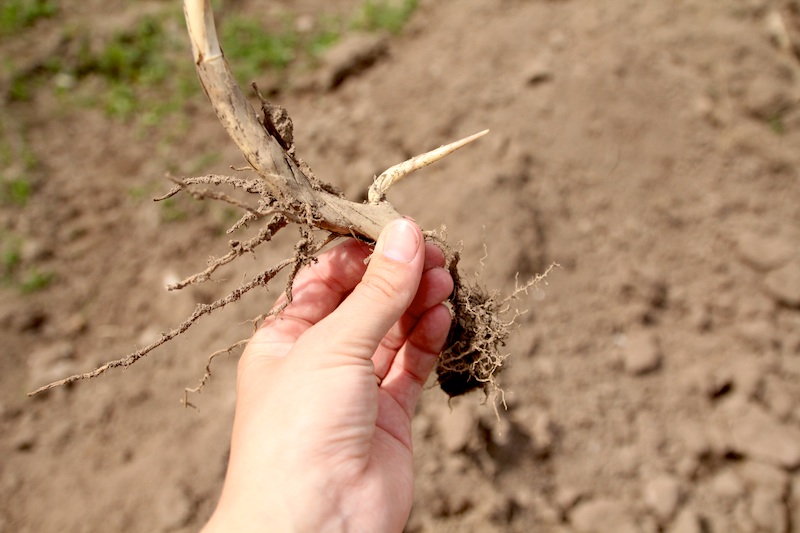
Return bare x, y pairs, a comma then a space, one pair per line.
472, 357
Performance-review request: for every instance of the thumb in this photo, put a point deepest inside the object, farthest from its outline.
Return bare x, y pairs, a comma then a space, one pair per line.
387, 289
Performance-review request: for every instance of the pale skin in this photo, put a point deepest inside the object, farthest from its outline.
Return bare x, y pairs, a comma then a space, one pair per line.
326, 392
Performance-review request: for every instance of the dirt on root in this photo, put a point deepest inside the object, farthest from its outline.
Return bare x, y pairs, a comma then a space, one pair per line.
649, 148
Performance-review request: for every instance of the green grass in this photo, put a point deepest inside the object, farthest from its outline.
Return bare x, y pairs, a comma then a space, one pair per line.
10, 256
323, 38
15, 191
12, 273
17, 164
121, 101
17, 15
144, 72
172, 210
251, 50
777, 124
131, 62
20, 89
139, 193
134, 56
225, 217
35, 280
202, 162
389, 15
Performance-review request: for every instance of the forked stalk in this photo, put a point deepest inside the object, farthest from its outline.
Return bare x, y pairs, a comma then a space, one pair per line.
289, 193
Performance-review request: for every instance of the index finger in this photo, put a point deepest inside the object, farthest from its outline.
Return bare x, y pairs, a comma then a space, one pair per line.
320, 287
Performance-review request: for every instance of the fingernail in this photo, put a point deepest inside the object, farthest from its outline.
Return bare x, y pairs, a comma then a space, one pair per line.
400, 241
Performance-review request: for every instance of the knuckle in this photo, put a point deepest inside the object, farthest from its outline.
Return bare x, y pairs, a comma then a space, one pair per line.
381, 286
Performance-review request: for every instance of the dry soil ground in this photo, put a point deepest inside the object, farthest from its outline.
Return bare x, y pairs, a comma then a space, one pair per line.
649, 148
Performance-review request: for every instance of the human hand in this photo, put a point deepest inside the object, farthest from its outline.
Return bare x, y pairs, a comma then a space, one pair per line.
327, 390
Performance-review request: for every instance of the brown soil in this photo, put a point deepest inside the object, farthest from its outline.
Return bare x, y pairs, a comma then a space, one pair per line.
648, 148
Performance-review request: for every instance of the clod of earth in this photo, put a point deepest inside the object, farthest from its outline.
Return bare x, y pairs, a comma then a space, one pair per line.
287, 192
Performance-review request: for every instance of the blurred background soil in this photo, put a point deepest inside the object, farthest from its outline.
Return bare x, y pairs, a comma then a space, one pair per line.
651, 149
